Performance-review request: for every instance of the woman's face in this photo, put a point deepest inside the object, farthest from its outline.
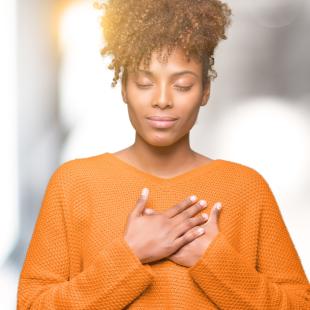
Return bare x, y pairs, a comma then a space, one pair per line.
173, 89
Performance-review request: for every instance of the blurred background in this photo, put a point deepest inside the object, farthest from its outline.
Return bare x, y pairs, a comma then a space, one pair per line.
58, 104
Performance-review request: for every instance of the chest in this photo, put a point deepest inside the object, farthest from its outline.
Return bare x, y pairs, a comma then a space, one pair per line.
105, 217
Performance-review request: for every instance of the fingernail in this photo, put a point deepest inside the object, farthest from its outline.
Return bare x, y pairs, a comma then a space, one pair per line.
202, 203
193, 198
148, 211
145, 192
218, 205
200, 230
205, 216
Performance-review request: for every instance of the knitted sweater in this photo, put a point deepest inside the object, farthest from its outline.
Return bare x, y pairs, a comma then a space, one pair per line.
78, 259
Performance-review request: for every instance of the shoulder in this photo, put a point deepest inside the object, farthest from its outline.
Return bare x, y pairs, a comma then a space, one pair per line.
247, 184
79, 171
245, 175
239, 169
81, 166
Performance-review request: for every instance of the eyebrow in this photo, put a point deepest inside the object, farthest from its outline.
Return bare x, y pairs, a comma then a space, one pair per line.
174, 74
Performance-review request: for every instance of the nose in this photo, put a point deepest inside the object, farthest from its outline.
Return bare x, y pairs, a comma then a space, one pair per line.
163, 97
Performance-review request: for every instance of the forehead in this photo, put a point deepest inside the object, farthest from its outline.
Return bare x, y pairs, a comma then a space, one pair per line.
176, 64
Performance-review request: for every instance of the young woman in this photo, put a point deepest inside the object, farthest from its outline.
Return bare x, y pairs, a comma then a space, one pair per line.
99, 243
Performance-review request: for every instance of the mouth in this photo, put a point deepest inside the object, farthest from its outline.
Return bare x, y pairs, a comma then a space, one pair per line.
162, 118
161, 122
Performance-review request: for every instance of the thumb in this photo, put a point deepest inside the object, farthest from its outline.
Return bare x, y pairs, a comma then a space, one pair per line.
141, 202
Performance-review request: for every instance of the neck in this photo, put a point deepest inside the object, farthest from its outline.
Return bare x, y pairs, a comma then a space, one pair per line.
162, 159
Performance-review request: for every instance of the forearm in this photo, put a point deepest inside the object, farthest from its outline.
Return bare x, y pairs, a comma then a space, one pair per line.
231, 283
113, 280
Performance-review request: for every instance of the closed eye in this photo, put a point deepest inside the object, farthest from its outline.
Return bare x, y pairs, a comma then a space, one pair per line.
180, 88
143, 85
184, 88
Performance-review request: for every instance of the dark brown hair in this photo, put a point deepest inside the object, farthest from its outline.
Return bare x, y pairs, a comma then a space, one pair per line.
133, 29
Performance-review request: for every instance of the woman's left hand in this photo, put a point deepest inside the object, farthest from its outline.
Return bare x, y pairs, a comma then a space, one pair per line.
189, 254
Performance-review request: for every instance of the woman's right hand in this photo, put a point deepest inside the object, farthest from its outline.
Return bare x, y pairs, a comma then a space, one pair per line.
161, 234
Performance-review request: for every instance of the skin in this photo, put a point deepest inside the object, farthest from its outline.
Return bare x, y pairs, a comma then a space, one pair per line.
159, 235
166, 152
171, 234
189, 254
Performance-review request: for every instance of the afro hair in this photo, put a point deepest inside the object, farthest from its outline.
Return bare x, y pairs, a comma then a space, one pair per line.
133, 29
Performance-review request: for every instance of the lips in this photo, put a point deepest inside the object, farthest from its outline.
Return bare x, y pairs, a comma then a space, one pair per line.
162, 118
161, 121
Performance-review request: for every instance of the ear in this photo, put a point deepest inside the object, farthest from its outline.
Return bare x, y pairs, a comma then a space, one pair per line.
206, 93
124, 91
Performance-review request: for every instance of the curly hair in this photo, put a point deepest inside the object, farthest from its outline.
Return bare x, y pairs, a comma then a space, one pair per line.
133, 29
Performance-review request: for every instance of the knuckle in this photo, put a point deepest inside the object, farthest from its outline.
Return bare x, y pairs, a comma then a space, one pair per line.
188, 224
191, 234
186, 238
185, 203
191, 221
187, 213
169, 245
175, 209
199, 219
140, 199
178, 208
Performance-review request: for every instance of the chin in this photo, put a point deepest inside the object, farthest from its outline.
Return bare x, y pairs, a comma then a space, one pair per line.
161, 139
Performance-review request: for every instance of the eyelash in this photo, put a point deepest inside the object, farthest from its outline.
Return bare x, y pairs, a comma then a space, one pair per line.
180, 88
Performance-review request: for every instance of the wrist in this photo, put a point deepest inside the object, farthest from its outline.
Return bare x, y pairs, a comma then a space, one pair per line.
133, 249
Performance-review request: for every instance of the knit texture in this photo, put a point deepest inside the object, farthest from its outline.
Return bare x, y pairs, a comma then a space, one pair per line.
78, 259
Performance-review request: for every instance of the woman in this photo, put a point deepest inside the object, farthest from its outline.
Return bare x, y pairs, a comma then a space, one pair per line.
100, 244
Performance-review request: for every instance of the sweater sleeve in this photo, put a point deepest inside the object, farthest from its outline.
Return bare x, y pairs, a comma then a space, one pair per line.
114, 279
277, 281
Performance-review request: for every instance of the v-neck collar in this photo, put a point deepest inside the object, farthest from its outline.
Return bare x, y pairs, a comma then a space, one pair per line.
204, 168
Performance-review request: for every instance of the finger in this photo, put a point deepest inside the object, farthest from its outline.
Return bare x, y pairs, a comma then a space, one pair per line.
214, 214
141, 202
176, 209
189, 212
189, 236
189, 224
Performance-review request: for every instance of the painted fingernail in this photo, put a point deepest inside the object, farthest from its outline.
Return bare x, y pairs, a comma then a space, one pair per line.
193, 198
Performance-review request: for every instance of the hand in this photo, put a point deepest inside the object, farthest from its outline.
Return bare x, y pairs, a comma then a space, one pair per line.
158, 236
191, 252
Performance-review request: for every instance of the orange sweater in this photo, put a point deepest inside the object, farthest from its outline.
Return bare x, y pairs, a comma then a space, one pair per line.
78, 259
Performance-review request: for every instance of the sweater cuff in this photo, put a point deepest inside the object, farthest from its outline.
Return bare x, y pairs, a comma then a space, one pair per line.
210, 253
227, 279
126, 262
133, 259
232, 283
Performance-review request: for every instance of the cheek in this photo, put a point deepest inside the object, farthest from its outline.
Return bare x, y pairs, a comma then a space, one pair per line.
189, 107
188, 101
136, 112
